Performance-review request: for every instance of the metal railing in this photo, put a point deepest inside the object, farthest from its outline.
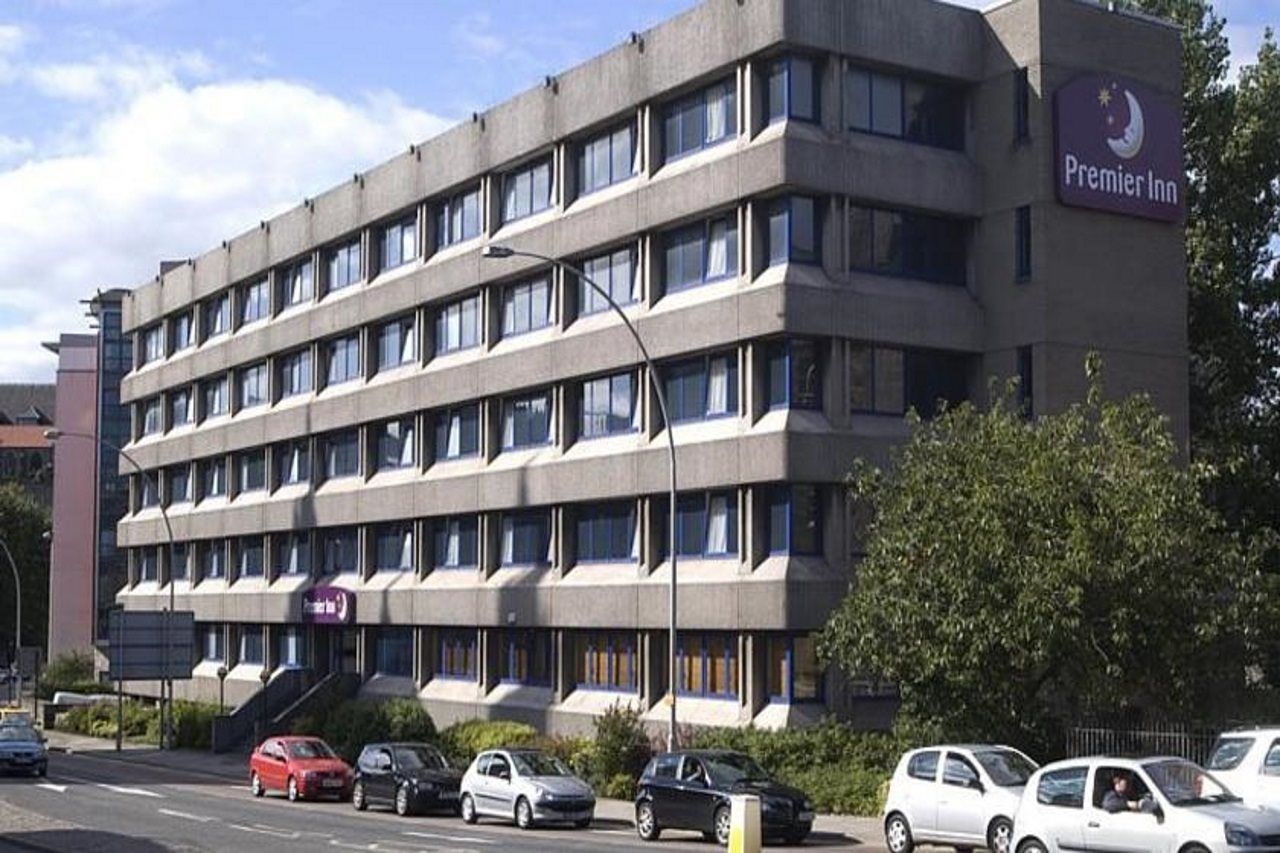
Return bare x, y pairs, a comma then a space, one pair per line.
1194, 744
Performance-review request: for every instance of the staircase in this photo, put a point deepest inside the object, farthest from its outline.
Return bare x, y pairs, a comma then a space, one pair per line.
325, 693
244, 726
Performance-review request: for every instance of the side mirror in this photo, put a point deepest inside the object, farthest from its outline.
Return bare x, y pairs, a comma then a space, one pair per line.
976, 784
504, 775
1159, 813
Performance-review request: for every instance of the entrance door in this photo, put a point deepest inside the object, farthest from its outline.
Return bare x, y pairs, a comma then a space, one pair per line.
342, 650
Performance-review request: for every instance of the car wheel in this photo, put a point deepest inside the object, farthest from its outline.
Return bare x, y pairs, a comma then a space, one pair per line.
43, 771
897, 834
1032, 845
402, 800
255, 785
647, 822
582, 824
524, 814
796, 836
294, 794
358, 797
1000, 835
467, 808
723, 822
1194, 848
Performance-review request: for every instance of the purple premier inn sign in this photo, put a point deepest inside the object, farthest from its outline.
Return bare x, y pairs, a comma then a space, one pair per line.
328, 605
1119, 148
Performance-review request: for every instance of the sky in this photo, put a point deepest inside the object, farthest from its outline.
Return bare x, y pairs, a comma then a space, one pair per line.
133, 131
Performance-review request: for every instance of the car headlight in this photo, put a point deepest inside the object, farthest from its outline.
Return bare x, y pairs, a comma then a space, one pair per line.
806, 806
1241, 836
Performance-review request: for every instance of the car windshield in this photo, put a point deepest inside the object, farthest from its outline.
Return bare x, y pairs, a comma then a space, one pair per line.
309, 749
420, 758
1228, 752
18, 733
1186, 784
1006, 767
731, 767
537, 764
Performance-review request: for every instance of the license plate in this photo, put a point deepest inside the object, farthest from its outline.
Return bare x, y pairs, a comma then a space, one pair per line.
332, 783
805, 817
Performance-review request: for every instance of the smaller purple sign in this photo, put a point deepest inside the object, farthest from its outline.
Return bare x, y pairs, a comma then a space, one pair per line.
328, 605
1119, 148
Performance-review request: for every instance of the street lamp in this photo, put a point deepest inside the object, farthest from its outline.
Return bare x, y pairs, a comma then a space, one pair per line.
15, 671
222, 685
264, 677
498, 251
166, 720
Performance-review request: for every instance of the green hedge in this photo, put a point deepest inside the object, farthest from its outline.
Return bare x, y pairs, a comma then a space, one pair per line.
71, 671
461, 742
349, 725
193, 722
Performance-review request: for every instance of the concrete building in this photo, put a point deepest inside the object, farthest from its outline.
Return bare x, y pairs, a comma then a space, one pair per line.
384, 453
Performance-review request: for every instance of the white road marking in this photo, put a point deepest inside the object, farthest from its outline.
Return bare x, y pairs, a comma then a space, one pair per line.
185, 815
137, 792
266, 830
465, 839
50, 786
347, 846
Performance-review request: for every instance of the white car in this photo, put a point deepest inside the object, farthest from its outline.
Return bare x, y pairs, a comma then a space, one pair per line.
961, 796
1248, 762
525, 786
1168, 805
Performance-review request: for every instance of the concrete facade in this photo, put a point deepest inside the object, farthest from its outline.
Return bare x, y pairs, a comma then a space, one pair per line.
798, 346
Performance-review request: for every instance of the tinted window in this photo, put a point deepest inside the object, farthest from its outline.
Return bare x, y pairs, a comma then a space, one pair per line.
664, 766
1228, 752
923, 765
1006, 767
1062, 788
1271, 764
958, 771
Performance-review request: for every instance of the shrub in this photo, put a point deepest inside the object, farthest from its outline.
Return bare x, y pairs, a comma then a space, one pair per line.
461, 742
619, 787
351, 725
407, 720
193, 724
69, 671
620, 752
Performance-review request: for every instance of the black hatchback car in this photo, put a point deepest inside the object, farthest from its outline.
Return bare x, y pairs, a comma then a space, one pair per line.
409, 777
691, 790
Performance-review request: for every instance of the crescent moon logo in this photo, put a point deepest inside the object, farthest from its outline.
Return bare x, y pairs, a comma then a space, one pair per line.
1127, 146
342, 608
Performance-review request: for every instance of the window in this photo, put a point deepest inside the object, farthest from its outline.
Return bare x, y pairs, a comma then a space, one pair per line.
180, 561
255, 302
959, 772
213, 560
795, 374
251, 650
251, 466
340, 551
607, 159
251, 561
180, 332
151, 421
458, 325
344, 266
889, 381
179, 484
252, 382
792, 90
295, 373
527, 306
924, 766
526, 421
615, 273
458, 218
152, 344
910, 245
706, 525
1021, 106
394, 652
213, 393
793, 231
526, 538
457, 543
292, 554
700, 253
393, 548
794, 673
217, 316
212, 644
1026, 383
606, 660
607, 533
396, 345
795, 520
180, 409
703, 388
457, 654
395, 444
400, 242
934, 377
458, 432
703, 118
297, 283
1064, 788
706, 665
344, 359
148, 490
526, 191
292, 648
292, 463
1271, 761
341, 453
213, 478
609, 406
1022, 243
918, 111
526, 657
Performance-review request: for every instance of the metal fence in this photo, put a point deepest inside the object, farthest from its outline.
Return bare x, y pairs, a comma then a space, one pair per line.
1194, 744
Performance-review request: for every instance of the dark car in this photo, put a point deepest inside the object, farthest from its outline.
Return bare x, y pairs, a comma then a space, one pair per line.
22, 748
409, 777
691, 790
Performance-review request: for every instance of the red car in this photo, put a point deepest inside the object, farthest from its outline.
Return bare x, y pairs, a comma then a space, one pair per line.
303, 767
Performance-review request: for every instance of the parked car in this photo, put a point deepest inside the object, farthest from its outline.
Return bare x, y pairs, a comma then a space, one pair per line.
302, 767
1248, 762
691, 790
11, 715
964, 796
527, 786
409, 777
22, 748
1162, 805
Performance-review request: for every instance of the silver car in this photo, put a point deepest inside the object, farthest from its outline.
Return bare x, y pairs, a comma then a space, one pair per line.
526, 786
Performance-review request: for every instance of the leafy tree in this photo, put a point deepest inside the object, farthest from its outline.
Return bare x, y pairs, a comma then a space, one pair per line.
1020, 576
23, 523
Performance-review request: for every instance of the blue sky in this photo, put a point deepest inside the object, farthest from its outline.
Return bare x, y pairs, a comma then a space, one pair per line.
135, 130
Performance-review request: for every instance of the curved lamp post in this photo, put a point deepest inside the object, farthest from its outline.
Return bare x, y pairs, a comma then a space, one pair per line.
498, 251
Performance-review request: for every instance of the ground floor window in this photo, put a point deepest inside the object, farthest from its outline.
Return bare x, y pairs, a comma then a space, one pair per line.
606, 660
707, 665
251, 650
794, 672
292, 648
458, 654
212, 644
527, 657
394, 652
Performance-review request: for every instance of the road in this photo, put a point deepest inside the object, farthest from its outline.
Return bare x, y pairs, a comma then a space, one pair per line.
90, 803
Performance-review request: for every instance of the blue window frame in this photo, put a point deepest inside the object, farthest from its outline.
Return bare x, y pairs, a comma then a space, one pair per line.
400, 242
393, 547
251, 381
292, 554
149, 494
344, 360
526, 191
527, 306
395, 445
793, 89
297, 283
292, 462
255, 302
615, 273
212, 643
341, 453
699, 120
213, 559
295, 373
251, 561
339, 551
700, 253
180, 336
527, 657
396, 345
217, 315
795, 519
706, 525
909, 245
794, 231
213, 477
526, 421
394, 652
344, 265
180, 408
607, 533
607, 159
179, 484
605, 660
458, 325
707, 665
148, 561
703, 388
251, 469
795, 374
457, 655
915, 110
293, 648
526, 538
457, 542
458, 432
151, 420
794, 673
886, 380
608, 406
458, 218
251, 645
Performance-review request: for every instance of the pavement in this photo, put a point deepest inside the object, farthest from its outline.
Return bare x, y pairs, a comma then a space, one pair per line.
143, 800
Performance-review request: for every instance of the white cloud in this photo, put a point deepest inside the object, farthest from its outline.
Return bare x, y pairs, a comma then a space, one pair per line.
12, 39
1245, 39
105, 77
13, 147
476, 33
170, 174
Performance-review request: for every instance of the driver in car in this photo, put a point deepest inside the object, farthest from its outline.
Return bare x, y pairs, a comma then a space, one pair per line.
1118, 799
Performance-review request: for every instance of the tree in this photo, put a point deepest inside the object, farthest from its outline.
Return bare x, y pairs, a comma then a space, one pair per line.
1020, 576
23, 523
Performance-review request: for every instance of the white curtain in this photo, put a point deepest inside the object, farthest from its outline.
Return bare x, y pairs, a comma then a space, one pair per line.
406, 550
633, 276
453, 544
406, 447
718, 250
508, 426
407, 348
295, 459
718, 387
548, 304
454, 443
508, 542
717, 113
718, 525
551, 544
635, 537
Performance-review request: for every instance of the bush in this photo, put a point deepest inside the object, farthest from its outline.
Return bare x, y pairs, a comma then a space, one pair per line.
620, 752
461, 742
69, 671
193, 722
351, 725
407, 720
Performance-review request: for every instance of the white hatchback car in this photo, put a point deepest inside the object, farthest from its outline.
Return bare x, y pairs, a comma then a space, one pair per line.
526, 786
1248, 762
960, 796
1174, 806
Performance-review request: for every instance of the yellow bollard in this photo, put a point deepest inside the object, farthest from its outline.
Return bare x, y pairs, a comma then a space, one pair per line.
744, 824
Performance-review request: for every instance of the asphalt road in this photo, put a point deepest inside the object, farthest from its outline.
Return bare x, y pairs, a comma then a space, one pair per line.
90, 804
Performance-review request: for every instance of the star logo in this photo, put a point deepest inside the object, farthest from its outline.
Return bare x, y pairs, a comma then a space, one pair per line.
1104, 97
